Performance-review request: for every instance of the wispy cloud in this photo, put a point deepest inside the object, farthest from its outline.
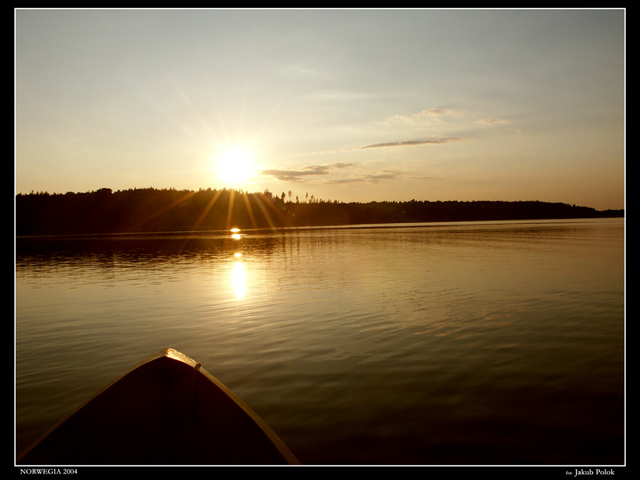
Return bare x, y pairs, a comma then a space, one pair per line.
383, 175
423, 118
434, 126
421, 141
334, 174
369, 178
493, 121
439, 117
299, 175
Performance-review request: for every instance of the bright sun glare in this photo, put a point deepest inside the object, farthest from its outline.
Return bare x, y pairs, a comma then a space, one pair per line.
235, 166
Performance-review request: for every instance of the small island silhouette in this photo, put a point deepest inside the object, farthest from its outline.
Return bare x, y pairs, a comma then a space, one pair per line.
169, 210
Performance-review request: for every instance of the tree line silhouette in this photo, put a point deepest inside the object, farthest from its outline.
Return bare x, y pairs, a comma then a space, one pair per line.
168, 210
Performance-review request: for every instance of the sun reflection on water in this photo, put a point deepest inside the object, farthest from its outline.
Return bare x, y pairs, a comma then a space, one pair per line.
238, 280
238, 276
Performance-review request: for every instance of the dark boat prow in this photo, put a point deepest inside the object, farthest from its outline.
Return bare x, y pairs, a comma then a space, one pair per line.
167, 410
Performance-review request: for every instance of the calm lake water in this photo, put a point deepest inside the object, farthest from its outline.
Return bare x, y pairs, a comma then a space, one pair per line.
448, 344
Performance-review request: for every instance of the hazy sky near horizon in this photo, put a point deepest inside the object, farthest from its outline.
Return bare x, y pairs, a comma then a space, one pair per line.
348, 105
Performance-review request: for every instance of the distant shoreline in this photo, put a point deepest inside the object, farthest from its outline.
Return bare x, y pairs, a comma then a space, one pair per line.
141, 211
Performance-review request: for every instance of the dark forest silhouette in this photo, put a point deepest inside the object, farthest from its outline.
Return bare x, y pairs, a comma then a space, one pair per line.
169, 210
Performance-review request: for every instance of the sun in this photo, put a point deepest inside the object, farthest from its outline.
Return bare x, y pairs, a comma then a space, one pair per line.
235, 166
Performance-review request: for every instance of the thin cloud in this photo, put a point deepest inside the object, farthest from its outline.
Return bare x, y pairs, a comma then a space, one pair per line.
371, 178
316, 172
494, 121
299, 175
423, 141
423, 117
384, 175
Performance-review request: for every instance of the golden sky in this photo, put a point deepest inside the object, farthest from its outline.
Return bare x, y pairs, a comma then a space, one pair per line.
348, 105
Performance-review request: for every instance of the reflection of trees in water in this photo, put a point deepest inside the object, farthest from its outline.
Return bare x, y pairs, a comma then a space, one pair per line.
147, 256
151, 210
110, 250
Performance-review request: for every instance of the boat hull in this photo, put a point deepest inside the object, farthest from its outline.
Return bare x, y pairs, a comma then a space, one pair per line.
168, 410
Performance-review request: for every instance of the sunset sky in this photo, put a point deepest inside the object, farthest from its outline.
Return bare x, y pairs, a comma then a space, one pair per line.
348, 105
